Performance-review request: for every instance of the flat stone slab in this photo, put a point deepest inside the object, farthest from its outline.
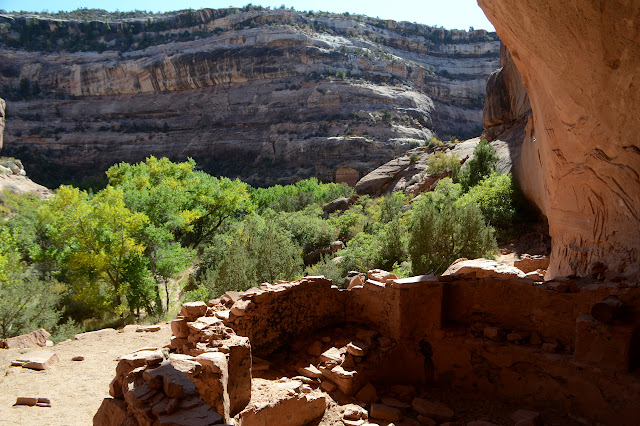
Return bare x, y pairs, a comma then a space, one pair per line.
40, 360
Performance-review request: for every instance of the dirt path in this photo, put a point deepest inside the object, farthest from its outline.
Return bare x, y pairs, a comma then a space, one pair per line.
76, 388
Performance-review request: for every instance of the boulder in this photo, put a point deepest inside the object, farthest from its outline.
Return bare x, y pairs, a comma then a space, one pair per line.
37, 338
483, 268
193, 310
434, 410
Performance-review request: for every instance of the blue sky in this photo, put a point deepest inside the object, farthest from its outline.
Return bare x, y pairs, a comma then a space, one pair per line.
460, 14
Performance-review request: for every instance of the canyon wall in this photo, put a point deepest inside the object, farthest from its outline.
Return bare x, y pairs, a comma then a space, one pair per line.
268, 96
580, 159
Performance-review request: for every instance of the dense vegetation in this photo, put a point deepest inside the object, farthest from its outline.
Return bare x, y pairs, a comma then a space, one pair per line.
126, 253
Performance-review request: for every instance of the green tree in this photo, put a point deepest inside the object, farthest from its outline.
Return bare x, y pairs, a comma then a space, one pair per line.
26, 302
93, 239
484, 161
496, 196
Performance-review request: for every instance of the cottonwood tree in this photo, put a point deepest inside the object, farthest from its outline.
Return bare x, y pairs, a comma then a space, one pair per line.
97, 251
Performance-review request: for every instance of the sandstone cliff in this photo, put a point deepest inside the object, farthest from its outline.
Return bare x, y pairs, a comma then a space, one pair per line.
580, 160
269, 96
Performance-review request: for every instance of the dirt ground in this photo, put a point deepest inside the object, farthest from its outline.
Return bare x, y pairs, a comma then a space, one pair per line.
76, 388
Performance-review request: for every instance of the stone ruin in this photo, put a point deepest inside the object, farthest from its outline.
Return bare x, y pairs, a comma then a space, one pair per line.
572, 345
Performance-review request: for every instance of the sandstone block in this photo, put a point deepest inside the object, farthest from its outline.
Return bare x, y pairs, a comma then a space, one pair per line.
367, 394
434, 410
40, 360
112, 412
37, 338
26, 400
527, 418
315, 349
309, 371
328, 385
381, 276
292, 410
198, 415
604, 345
493, 333
392, 402
332, 355
428, 420
148, 329
77, 358
348, 381
384, 412
193, 310
530, 263
357, 348
179, 328
357, 281
354, 412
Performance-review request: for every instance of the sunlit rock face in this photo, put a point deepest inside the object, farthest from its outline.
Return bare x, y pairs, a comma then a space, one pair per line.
580, 161
268, 96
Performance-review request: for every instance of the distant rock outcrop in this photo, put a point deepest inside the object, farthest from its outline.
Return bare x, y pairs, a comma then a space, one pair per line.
270, 96
580, 159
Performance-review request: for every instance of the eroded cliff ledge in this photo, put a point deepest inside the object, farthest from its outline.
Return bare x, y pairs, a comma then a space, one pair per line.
580, 159
268, 96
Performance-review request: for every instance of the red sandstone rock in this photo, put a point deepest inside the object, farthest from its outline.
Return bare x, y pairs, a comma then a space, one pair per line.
37, 338
354, 412
527, 418
483, 268
381, 276
384, 412
427, 420
148, 329
434, 410
309, 371
605, 345
193, 310
113, 412
531, 263
481, 423
292, 410
493, 333
315, 349
585, 183
26, 400
367, 394
357, 348
77, 358
40, 360
357, 281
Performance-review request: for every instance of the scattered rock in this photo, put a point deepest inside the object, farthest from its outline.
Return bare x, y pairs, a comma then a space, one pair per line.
527, 418
148, 328
367, 394
309, 371
381, 275
315, 349
493, 333
328, 385
357, 348
40, 360
384, 412
530, 263
354, 412
332, 355
77, 358
434, 410
26, 400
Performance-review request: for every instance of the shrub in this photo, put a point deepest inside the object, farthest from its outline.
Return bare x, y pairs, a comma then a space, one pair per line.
330, 268
480, 166
308, 229
495, 195
362, 253
438, 237
440, 161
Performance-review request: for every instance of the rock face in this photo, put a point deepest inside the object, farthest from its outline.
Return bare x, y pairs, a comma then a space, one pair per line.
253, 93
580, 159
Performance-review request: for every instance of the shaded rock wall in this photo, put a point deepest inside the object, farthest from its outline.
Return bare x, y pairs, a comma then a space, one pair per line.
2, 120
252, 94
580, 161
